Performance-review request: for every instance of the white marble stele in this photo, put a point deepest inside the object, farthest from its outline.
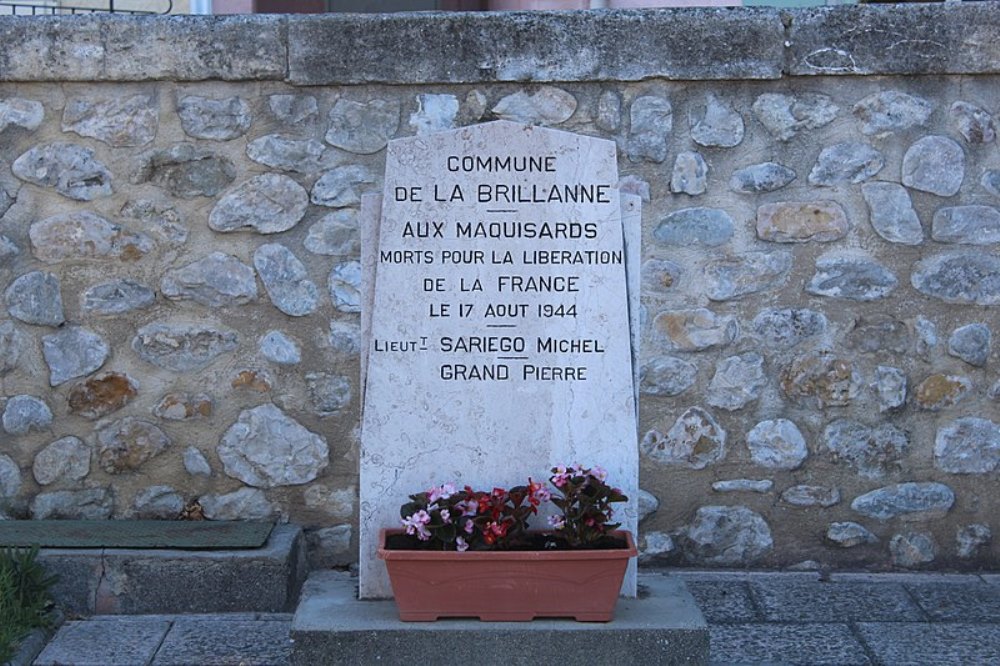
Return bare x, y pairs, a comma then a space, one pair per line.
498, 332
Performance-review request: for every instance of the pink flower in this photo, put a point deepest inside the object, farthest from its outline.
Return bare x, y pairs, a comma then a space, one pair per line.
543, 495
461, 545
561, 475
557, 522
446, 516
443, 491
468, 507
469, 527
599, 473
417, 524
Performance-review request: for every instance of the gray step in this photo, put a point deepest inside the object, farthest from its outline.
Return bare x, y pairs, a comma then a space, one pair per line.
133, 581
331, 626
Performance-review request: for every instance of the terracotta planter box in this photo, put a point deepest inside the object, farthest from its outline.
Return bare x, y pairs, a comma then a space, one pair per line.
507, 586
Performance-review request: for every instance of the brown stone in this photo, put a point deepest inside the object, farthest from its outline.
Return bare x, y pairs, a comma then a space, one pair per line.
791, 222
99, 396
830, 380
940, 391
183, 406
251, 379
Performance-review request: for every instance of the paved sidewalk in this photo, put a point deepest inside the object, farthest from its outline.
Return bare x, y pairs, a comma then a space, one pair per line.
892, 619
754, 618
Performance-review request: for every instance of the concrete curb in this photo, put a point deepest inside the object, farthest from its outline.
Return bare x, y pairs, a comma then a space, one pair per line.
114, 581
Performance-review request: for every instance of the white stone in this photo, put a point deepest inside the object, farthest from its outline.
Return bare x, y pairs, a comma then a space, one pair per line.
217, 280
25, 113
267, 204
66, 459
242, 504
655, 545
912, 549
435, 113
330, 546
648, 504
335, 234
726, 536
451, 426
339, 503
548, 106
339, 187
286, 280
195, 462
362, 127
345, 286
777, 444
695, 441
743, 486
25, 413
737, 382
10, 476
278, 348
267, 448
971, 538
157, 503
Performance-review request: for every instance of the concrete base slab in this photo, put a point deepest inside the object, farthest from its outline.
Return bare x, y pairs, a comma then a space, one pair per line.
331, 626
127, 581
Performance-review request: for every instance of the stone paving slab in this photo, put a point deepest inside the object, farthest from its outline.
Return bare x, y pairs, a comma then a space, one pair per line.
795, 601
225, 642
932, 644
958, 602
724, 601
759, 643
123, 642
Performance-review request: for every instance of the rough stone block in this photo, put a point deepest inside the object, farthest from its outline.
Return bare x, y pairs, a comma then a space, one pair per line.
894, 39
663, 626
123, 48
537, 46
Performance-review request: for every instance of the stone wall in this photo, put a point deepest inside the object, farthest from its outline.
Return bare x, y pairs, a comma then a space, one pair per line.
179, 261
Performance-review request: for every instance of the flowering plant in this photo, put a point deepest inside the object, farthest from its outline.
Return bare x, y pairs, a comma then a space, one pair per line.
445, 518
585, 500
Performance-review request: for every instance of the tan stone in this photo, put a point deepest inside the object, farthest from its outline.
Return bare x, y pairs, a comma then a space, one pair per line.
791, 222
830, 380
940, 391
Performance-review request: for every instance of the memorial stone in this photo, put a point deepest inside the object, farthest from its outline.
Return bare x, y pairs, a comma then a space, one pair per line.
498, 320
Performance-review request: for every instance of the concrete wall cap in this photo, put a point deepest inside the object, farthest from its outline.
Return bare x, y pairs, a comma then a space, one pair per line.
484, 47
